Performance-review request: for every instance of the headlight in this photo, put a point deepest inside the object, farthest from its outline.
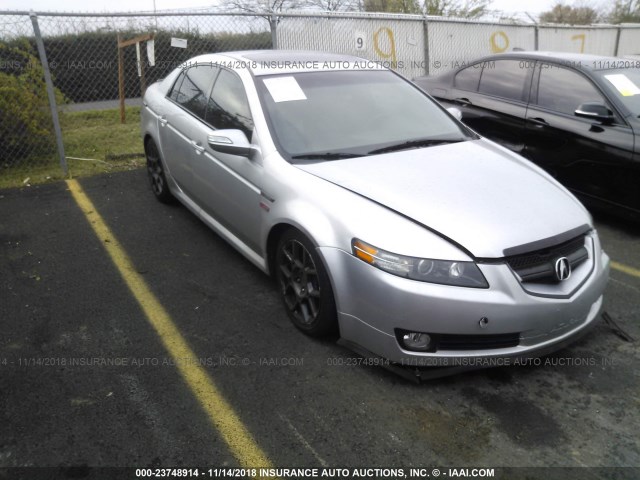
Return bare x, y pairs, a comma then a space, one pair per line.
445, 272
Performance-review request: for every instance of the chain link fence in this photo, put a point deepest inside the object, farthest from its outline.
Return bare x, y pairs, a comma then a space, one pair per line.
88, 69
415, 45
397, 41
83, 51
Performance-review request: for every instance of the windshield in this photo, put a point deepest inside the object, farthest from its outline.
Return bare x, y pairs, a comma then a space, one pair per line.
624, 83
341, 114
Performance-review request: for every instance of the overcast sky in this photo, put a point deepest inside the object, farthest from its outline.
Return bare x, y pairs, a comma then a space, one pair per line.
531, 6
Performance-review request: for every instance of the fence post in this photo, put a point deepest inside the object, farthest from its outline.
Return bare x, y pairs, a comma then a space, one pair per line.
123, 118
617, 45
50, 92
273, 22
426, 45
536, 36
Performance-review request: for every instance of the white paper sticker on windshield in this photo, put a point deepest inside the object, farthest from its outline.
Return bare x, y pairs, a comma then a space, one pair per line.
623, 84
284, 89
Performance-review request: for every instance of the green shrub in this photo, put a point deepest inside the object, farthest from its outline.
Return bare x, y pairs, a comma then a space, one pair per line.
25, 121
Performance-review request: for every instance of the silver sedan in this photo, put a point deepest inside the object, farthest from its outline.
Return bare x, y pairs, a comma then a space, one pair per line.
380, 215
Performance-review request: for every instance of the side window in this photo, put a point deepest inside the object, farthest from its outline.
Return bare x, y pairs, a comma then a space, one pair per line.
176, 87
228, 105
195, 89
563, 90
504, 78
468, 78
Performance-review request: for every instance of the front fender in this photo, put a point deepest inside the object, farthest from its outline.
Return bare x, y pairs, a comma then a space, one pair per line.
332, 216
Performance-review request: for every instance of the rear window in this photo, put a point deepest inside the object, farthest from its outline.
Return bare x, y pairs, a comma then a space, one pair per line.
468, 78
505, 79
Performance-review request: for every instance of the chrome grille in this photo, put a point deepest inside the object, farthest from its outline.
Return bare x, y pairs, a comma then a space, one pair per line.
539, 266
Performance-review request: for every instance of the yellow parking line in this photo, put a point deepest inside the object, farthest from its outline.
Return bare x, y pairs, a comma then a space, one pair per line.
625, 269
220, 412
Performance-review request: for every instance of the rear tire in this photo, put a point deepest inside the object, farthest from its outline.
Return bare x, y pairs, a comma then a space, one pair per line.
304, 285
155, 169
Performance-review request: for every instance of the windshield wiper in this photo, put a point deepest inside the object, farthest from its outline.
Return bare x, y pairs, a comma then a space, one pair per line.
325, 156
414, 144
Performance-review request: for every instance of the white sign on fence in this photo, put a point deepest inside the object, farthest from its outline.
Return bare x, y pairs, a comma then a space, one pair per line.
179, 42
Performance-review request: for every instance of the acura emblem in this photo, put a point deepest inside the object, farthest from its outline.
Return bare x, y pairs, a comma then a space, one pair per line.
563, 268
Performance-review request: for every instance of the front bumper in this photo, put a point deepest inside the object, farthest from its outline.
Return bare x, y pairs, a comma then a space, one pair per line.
372, 304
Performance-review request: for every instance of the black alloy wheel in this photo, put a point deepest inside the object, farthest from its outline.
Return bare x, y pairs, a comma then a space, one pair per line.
304, 285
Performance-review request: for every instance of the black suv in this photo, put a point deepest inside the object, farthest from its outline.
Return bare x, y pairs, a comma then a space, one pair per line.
577, 116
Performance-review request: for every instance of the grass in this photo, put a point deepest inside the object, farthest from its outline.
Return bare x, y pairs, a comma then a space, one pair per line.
97, 136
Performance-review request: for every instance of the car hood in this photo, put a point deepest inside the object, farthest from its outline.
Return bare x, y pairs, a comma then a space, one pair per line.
479, 195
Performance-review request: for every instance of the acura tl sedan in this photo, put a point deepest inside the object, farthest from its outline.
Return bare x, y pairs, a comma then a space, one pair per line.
577, 116
380, 215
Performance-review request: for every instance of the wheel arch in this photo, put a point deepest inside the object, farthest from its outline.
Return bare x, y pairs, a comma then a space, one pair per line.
146, 138
311, 220
276, 232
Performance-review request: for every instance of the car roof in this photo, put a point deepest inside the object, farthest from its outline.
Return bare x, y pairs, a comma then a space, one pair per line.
275, 62
582, 61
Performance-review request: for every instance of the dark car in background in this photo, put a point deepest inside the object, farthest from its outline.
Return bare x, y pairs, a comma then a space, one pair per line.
577, 116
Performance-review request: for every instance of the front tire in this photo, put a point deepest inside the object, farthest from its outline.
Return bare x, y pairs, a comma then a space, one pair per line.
155, 169
304, 285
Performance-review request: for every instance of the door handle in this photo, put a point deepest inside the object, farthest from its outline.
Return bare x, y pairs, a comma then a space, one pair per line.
538, 122
198, 147
463, 101
163, 121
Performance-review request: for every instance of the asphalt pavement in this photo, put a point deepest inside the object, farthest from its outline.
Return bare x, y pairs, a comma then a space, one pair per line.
86, 381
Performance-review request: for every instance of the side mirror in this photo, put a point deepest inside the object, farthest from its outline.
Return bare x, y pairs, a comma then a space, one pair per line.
595, 111
455, 112
233, 142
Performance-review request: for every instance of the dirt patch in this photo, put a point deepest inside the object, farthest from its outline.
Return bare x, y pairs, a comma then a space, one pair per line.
461, 437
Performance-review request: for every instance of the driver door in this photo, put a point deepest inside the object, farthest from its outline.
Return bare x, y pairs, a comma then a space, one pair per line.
227, 186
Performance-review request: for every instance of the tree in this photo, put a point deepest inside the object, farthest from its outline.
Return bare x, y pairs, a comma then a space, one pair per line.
444, 8
265, 7
456, 8
260, 7
393, 6
625, 11
333, 5
566, 14
450, 8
